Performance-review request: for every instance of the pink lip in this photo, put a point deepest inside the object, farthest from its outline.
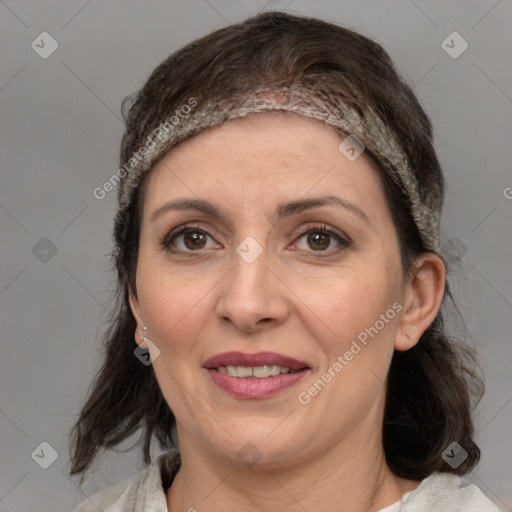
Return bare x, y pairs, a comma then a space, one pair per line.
255, 388
258, 359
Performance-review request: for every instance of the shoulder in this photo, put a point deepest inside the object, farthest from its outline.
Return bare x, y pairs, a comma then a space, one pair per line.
447, 492
104, 499
144, 491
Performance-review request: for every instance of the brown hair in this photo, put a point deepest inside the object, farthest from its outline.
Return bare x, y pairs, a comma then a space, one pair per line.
423, 417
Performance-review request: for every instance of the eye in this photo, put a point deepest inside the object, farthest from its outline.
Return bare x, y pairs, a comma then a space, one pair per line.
187, 239
194, 239
321, 239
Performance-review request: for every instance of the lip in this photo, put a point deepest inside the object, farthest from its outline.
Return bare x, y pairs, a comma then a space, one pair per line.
258, 359
255, 388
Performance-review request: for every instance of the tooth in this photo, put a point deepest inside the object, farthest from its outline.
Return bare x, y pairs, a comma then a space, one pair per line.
256, 372
262, 372
274, 369
243, 371
231, 371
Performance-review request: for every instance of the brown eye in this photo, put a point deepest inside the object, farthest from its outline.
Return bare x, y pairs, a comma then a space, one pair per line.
194, 240
188, 239
318, 241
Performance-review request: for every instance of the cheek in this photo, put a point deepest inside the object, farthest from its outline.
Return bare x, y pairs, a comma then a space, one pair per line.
175, 308
356, 341
340, 309
357, 344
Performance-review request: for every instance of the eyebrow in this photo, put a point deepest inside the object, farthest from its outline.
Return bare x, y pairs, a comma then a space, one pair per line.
283, 210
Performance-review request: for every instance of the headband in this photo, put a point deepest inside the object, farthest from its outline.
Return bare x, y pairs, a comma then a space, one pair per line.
367, 128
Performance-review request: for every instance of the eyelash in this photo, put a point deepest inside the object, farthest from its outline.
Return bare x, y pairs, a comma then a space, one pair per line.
343, 242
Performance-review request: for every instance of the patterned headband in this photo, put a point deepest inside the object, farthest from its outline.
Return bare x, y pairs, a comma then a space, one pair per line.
361, 132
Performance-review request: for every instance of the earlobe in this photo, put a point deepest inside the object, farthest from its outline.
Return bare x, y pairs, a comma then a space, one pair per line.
423, 294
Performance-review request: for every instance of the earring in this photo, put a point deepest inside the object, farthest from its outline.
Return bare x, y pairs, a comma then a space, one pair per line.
144, 337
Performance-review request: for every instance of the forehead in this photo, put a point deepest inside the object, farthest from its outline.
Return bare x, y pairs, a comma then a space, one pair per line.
267, 158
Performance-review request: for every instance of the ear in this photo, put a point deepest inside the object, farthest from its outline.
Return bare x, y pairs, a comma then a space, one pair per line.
422, 299
137, 314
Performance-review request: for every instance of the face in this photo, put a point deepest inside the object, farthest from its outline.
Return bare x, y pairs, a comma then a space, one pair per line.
270, 282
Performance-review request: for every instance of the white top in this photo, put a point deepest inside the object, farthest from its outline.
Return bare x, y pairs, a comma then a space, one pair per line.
144, 492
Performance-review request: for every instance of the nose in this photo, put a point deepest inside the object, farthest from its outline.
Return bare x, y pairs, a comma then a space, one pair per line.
252, 296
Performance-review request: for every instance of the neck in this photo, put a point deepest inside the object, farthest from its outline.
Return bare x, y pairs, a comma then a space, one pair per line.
349, 476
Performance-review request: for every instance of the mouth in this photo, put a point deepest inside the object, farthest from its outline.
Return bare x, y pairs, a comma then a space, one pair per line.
259, 375
255, 372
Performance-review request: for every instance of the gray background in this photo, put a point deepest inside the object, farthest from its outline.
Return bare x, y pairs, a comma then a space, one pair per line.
61, 129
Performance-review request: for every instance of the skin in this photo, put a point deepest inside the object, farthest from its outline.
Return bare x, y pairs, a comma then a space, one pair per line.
200, 302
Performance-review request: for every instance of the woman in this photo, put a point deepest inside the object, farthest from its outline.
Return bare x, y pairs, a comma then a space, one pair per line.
277, 250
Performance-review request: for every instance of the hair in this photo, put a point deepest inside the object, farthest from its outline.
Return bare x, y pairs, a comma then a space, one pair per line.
432, 387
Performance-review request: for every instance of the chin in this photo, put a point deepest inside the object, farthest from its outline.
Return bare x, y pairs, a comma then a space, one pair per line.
263, 444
